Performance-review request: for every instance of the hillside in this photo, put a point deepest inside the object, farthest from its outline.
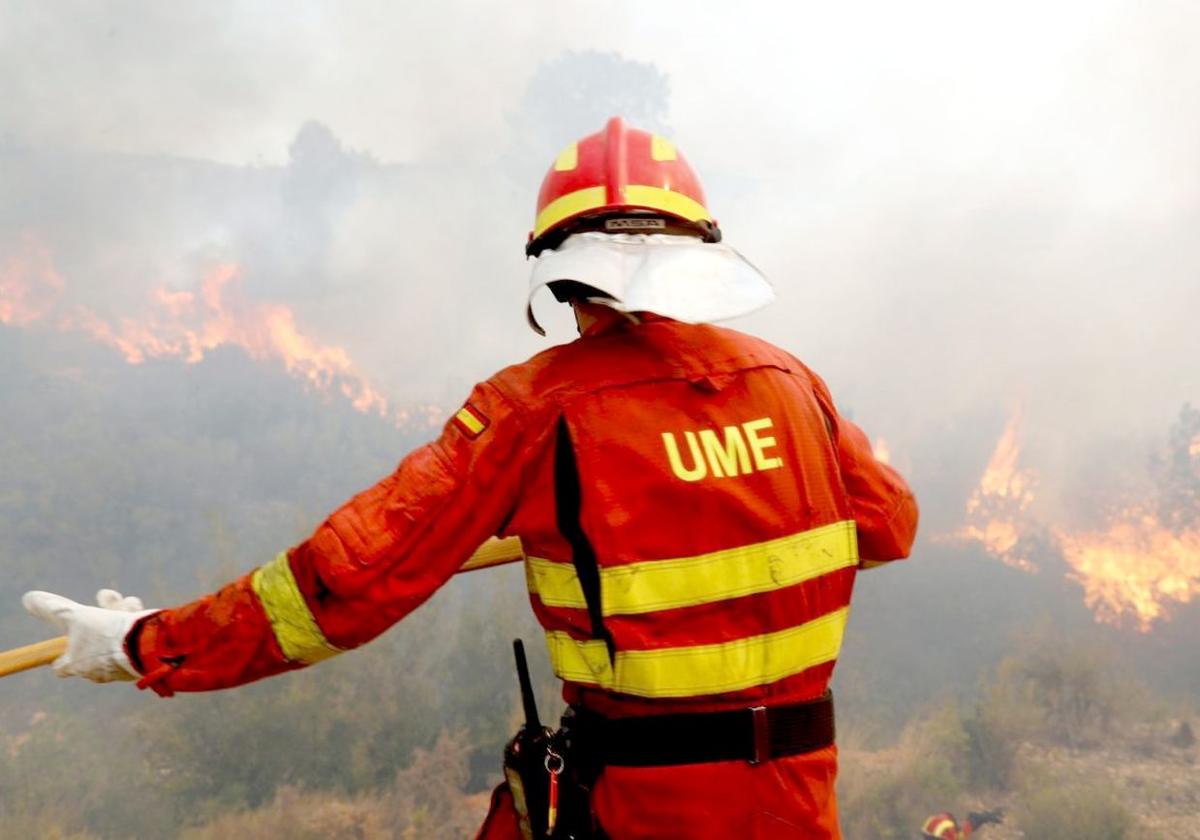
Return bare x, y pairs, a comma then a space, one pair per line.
1062, 739
1154, 783
167, 478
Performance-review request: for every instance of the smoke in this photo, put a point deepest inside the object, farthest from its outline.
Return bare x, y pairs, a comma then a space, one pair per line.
962, 209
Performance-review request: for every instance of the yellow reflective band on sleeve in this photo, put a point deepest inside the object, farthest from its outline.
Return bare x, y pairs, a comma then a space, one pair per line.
299, 637
570, 204
653, 585
700, 669
668, 201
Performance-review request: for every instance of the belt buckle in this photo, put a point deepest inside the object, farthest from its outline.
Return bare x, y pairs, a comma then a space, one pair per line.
762, 735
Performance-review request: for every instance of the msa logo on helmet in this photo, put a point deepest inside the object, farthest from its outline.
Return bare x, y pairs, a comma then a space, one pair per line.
734, 451
635, 224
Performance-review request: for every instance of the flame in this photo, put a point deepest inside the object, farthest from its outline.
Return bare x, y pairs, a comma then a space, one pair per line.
1132, 568
996, 509
189, 325
1002, 479
881, 451
1143, 561
29, 285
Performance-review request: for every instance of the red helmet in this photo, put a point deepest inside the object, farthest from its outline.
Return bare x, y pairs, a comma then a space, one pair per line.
620, 180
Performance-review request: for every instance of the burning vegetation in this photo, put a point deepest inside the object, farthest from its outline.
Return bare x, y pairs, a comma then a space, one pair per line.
1136, 567
1141, 562
997, 511
188, 325
29, 285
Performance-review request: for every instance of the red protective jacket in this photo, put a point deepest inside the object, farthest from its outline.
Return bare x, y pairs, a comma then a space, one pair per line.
727, 507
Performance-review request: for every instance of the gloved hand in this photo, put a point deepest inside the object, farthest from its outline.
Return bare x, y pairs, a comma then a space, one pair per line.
95, 635
978, 818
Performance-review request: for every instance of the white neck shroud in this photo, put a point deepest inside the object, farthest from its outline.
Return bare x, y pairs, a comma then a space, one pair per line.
678, 277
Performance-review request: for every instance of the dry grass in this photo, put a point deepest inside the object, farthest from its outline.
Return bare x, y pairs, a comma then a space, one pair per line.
426, 800
1140, 783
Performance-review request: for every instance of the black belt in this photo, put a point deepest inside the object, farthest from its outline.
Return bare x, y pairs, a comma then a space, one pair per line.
754, 735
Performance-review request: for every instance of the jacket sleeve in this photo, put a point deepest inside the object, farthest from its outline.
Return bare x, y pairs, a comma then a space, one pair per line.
372, 562
883, 506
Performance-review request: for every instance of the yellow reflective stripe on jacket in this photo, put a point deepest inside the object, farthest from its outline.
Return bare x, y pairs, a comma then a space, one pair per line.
653, 585
700, 669
299, 637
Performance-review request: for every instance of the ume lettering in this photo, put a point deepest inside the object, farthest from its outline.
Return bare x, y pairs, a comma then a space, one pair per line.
730, 452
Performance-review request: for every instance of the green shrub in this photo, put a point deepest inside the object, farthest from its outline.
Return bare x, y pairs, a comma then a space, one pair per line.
1081, 811
1058, 691
425, 800
888, 796
997, 724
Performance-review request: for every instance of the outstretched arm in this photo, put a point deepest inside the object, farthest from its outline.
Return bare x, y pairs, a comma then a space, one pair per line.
368, 565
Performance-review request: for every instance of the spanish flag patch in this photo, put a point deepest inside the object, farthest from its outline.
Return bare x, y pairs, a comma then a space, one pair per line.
471, 421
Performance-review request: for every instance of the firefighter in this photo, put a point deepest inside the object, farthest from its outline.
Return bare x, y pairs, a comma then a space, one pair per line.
692, 506
943, 826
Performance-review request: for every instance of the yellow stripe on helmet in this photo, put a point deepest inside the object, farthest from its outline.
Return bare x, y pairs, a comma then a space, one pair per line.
653, 585
299, 637
668, 201
943, 828
700, 670
569, 205
567, 159
662, 149
636, 195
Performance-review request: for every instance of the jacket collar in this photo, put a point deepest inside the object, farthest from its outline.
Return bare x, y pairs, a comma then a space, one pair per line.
610, 320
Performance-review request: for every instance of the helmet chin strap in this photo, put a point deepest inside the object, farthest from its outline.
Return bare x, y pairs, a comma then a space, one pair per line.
588, 313
583, 317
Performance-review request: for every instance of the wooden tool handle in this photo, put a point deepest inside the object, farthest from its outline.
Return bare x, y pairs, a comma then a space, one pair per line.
32, 656
494, 552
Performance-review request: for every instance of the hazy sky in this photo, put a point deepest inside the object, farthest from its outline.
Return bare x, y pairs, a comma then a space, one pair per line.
962, 205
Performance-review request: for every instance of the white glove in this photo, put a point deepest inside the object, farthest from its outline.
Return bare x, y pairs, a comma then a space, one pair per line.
95, 635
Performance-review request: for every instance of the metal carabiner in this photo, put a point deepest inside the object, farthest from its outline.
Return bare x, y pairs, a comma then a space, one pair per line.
554, 766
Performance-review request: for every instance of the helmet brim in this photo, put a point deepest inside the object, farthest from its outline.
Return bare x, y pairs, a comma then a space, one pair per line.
678, 277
